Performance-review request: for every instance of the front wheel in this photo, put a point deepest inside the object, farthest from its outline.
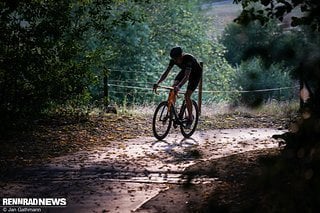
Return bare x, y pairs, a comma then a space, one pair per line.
162, 121
183, 115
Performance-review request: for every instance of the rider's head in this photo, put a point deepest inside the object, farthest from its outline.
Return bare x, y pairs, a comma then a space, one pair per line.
176, 52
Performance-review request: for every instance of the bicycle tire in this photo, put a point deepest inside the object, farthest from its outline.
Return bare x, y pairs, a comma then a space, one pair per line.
165, 118
187, 133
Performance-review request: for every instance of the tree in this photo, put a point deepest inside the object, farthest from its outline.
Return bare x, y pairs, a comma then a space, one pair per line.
307, 59
50, 53
309, 11
299, 163
143, 48
38, 53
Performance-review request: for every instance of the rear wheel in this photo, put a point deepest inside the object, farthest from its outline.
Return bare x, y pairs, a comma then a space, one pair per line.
183, 115
162, 121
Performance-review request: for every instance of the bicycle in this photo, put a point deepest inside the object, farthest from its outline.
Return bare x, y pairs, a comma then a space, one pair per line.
167, 114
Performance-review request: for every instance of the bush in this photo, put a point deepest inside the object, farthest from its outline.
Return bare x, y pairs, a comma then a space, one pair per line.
257, 82
245, 42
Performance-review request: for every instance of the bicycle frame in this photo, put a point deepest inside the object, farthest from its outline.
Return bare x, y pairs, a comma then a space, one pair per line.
171, 99
167, 114
171, 107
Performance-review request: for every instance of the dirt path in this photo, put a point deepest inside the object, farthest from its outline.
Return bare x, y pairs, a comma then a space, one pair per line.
124, 176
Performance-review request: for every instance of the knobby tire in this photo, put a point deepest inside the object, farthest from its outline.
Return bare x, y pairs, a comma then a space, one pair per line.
187, 133
161, 110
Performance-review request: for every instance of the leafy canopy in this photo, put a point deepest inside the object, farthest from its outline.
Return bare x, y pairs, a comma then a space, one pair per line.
309, 11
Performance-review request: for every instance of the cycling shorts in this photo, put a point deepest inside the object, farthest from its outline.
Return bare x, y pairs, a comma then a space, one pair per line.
193, 80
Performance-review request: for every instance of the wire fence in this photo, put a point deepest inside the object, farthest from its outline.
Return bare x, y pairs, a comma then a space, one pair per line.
128, 87
149, 89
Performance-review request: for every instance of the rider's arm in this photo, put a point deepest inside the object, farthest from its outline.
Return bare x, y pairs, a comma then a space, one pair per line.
166, 72
164, 75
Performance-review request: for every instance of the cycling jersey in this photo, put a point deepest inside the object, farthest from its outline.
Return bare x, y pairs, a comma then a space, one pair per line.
189, 62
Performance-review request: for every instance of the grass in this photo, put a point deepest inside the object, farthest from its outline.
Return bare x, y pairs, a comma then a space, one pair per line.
273, 108
281, 109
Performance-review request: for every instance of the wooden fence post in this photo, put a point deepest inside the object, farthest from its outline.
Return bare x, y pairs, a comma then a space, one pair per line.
200, 89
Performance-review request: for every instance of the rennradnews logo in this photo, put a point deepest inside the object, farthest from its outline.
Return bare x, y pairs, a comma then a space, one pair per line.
34, 202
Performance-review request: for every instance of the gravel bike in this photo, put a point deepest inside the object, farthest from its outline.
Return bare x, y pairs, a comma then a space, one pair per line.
169, 113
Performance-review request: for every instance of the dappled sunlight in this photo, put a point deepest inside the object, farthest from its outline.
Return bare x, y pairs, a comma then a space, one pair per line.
129, 168
174, 153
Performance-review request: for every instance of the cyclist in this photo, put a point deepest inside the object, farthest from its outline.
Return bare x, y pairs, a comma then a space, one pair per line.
191, 71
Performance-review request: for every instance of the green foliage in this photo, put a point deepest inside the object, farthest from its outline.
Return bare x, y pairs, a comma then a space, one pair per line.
267, 57
62, 52
50, 54
54, 44
297, 166
38, 61
254, 75
270, 41
244, 42
295, 52
219, 80
144, 48
264, 10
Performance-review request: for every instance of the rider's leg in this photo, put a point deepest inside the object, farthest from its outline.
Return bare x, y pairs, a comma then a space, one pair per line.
187, 97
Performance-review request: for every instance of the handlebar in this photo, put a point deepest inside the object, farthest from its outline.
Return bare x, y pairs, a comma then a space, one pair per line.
170, 88
165, 87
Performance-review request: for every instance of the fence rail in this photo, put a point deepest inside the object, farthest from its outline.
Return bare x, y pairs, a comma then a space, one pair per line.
212, 91
121, 86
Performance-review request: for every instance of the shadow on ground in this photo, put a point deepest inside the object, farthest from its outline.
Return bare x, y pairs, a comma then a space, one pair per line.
233, 190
